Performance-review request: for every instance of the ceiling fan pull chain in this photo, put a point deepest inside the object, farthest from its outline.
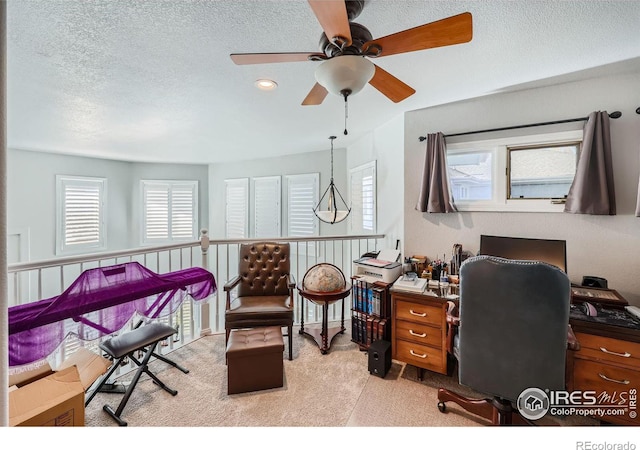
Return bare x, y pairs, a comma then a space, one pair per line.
346, 114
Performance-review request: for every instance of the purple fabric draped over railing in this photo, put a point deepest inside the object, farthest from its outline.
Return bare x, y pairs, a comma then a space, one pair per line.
100, 302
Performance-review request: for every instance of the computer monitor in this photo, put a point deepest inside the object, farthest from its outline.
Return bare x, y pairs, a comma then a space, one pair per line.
552, 251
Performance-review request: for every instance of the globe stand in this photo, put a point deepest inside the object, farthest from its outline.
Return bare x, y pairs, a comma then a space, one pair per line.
324, 335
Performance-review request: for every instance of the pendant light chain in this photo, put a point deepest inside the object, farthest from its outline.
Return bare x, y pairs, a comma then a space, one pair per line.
332, 138
346, 114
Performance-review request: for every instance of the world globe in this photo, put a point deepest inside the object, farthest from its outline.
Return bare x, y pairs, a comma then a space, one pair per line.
324, 277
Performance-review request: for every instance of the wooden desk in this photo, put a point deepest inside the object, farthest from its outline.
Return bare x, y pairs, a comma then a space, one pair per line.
419, 330
325, 334
608, 363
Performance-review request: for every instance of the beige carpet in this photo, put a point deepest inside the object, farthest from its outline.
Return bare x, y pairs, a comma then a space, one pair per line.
319, 390
332, 390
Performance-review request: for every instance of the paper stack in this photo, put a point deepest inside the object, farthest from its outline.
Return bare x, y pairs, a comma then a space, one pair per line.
410, 284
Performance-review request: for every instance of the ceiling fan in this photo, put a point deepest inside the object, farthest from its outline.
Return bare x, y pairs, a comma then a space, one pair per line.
346, 46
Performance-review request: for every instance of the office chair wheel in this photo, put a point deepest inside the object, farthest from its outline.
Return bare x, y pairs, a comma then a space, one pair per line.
442, 407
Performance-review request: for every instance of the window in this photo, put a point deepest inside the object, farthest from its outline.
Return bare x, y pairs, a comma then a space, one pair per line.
170, 211
267, 210
81, 217
237, 208
521, 173
544, 172
470, 175
363, 198
302, 197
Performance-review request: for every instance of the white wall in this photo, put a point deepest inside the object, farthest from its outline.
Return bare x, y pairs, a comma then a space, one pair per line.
31, 195
606, 246
289, 165
386, 146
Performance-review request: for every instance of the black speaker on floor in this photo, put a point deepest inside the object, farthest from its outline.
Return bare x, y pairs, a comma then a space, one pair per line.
379, 358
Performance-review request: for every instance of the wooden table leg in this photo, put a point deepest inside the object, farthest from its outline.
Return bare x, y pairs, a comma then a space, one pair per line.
325, 328
302, 300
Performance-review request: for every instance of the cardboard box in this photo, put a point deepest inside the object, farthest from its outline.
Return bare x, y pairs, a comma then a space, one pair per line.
90, 365
55, 400
29, 376
43, 397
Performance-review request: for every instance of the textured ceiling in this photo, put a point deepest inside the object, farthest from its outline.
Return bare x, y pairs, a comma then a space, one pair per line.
151, 80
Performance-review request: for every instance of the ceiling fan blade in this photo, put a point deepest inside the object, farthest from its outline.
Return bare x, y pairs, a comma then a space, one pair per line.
315, 96
390, 86
333, 19
452, 30
265, 58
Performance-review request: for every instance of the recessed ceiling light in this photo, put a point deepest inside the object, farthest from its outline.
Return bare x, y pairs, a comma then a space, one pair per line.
266, 85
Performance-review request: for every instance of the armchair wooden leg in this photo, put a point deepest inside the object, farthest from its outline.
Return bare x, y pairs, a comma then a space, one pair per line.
226, 341
290, 328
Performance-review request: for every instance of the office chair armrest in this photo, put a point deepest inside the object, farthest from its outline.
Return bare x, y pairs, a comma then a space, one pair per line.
572, 340
452, 314
453, 321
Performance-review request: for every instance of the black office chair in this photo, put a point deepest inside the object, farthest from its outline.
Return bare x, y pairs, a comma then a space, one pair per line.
512, 334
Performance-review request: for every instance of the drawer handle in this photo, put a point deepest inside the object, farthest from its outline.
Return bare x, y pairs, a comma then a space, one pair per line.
417, 314
604, 377
424, 355
413, 333
624, 355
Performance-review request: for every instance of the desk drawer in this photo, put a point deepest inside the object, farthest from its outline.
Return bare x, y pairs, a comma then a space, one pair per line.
609, 349
419, 333
415, 312
600, 376
612, 385
421, 356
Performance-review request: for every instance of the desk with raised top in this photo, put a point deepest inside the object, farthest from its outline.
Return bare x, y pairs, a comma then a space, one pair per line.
608, 361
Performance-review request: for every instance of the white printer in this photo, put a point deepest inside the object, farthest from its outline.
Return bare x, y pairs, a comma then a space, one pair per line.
383, 267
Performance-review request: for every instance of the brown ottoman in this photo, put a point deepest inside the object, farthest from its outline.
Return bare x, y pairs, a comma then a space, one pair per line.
254, 359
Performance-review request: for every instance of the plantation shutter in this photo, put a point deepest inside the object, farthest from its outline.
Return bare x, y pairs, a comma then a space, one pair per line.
302, 197
183, 211
363, 198
81, 215
367, 202
267, 210
237, 208
156, 205
170, 210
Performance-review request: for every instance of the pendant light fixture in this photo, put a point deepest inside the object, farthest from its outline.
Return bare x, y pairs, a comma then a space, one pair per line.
330, 213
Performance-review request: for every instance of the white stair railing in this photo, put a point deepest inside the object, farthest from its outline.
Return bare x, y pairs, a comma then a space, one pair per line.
33, 281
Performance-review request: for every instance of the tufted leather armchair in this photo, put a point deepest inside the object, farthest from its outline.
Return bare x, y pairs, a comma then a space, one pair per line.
511, 333
264, 289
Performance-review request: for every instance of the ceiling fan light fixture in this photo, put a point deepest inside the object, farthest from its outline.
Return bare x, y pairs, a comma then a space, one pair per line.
345, 73
265, 84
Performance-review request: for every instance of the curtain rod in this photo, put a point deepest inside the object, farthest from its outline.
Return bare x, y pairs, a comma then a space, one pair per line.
613, 115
